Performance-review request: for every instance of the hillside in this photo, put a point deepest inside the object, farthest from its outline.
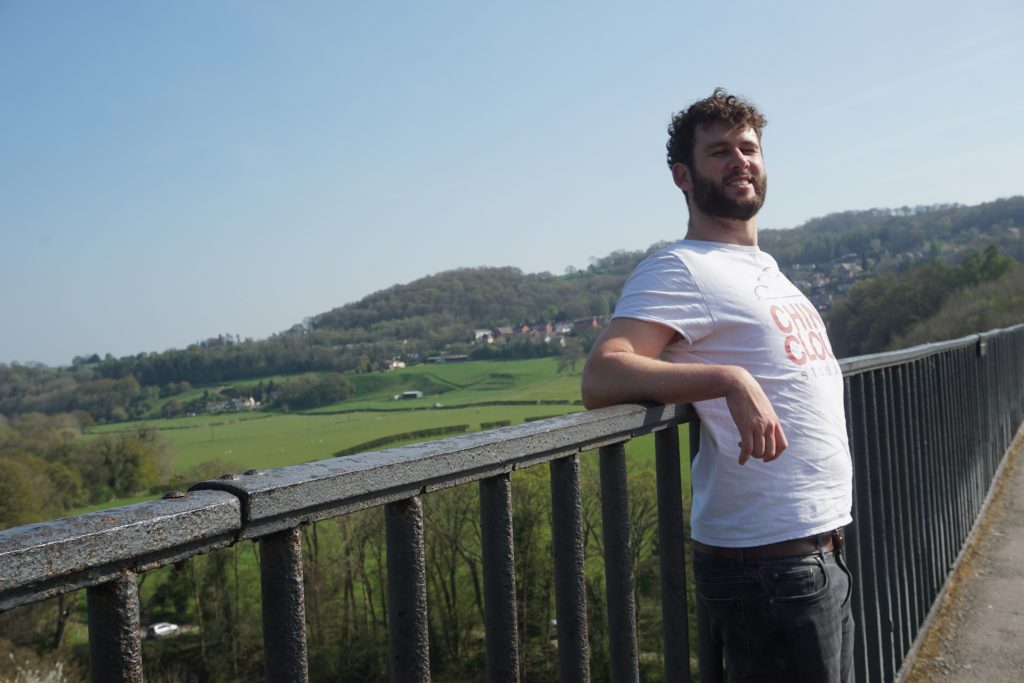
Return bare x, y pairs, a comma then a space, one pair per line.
447, 307
824, 256
505, 313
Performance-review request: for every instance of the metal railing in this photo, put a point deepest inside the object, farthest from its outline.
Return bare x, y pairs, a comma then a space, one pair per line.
929, 427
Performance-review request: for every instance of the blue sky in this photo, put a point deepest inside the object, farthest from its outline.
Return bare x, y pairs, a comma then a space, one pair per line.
172, 171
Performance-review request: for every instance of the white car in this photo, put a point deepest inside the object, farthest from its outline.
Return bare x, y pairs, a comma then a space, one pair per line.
162, 629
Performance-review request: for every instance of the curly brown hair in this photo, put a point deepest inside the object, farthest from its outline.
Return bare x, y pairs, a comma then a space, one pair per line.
721, 107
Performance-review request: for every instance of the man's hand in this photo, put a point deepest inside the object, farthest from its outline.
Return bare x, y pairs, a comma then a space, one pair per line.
761, 434
625, 365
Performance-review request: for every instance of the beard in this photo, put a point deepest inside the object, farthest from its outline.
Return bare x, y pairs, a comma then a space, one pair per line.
711, 198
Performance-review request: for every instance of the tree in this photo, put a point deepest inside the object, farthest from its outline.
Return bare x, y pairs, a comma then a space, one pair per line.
172, 408
19, 503
570, 355
119, 465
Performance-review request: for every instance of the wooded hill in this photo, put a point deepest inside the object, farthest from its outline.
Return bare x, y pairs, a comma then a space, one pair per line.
916, 257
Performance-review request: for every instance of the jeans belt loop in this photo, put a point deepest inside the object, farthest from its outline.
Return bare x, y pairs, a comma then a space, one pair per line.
838, 540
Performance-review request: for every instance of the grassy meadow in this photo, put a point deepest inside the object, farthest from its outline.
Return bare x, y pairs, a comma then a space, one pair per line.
470, 393
273, 439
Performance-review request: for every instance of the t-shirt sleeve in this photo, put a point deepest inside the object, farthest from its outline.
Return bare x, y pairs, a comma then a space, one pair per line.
662, 290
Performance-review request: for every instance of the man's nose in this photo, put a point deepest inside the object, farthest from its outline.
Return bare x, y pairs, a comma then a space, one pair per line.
737, 159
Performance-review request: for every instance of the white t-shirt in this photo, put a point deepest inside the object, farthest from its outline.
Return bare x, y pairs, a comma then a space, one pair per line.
732, 306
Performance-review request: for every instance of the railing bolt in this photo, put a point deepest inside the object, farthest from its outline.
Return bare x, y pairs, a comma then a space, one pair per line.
174, 494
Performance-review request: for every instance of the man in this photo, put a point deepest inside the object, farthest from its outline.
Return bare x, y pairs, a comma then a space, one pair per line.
711, 321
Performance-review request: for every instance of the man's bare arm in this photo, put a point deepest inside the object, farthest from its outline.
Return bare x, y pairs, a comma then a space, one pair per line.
624, 366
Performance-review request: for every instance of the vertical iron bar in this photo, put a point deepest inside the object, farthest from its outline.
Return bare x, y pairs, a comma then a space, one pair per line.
959, 451
502, 633
284, 610
979, 441
926, 463
904, 468
911, 458
979, 445
943, 475
880, 530
866, 524
937, 532
950, 449
570, 588
115, 649
407, 592
671, 546
711, 667
972, 451
867, 647
897, 545
618, 566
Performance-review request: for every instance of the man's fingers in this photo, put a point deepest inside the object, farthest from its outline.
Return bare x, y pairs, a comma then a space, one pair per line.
779, 437
745, 445
769, 446
758, 451
781, 442
766, 446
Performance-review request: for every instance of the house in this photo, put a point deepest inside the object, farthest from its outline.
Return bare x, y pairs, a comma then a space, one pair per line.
406, 395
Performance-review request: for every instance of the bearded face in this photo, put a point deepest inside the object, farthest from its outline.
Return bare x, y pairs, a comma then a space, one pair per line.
713, 198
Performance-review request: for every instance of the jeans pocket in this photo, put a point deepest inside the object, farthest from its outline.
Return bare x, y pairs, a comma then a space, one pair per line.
802, 581
727, 621
841, 561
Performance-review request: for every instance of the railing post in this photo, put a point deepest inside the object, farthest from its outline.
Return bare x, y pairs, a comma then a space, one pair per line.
618, 566
570, 588
502, 634
867, 644
115, 648
284, 611
671, 546
895, 580
407, 592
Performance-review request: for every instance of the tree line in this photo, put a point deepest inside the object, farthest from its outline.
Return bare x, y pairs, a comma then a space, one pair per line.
877, 313
47, 470
943, 231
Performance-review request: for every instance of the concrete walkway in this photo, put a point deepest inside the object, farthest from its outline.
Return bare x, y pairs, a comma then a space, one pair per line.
978, 634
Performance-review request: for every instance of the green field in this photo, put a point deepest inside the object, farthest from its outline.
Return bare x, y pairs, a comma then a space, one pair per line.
208, 445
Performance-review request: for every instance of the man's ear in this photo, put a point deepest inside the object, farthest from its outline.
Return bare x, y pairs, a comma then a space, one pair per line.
681, 177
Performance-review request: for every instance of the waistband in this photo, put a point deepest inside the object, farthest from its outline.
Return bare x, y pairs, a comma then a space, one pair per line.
797, 547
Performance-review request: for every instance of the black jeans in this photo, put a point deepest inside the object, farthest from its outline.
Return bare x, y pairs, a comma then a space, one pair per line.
784, 620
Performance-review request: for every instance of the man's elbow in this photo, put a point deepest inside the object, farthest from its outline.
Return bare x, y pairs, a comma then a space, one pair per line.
592, 387
591, 400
